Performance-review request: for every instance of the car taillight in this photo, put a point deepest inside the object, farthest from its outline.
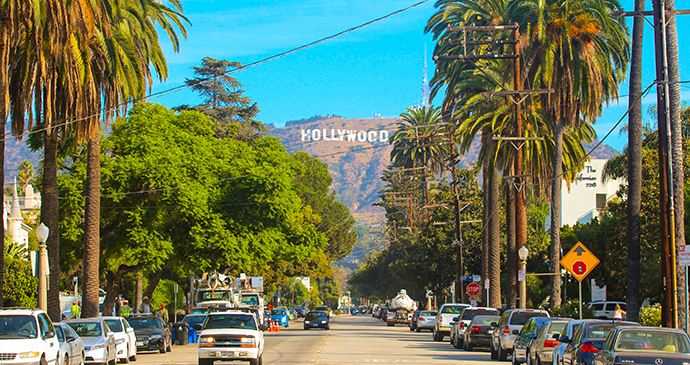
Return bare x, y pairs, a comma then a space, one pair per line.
421, 319
550, 343
475, 329
588, 347
506, 331
461, 326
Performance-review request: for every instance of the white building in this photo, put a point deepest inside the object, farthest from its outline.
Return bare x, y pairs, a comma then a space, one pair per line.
305, 281
586, 196
13, 222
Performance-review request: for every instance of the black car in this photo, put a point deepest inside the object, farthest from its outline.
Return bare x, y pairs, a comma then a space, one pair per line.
644, 345
587, 339
317, 319
413, 321
478, 332
152, 334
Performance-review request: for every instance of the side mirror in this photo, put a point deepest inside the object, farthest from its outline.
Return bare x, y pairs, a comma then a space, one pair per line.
516, 332
49, 334
555, 336
564, 339
198, 327
263, 327
494, 324
455, 319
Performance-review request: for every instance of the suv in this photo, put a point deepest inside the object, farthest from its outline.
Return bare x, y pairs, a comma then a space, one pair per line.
27, 336
231, 336
507, 329
604, 310
444, 319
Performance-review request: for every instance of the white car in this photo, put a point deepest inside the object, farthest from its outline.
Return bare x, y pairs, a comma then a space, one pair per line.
71, 345
230, 336
444, 319
27, 336
125, 339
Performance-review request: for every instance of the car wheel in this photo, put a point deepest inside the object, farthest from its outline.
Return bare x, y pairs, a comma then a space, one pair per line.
169, 348
43, 361
133, 357
287, 324
514, 358
258, 361
469, 346
162, 351
494, 354
411, 328
461, 342
205, 362
328, 327
390, 324
502, 354
83, 358
417, 329
306, 328
125, 360
528, 360
440, 337
455, 343
113, 361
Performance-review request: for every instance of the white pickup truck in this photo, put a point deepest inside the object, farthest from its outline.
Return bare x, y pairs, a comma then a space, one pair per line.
231, 336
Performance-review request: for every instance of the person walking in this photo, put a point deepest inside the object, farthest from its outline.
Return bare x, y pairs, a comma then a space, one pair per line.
145, 306
76, 310
163, 313
619, 313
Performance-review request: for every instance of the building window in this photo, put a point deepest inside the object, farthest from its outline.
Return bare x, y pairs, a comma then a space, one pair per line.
601, 201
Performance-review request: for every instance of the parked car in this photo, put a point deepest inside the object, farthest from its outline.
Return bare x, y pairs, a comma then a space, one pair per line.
644, 345
444, 318
152, 334
478, 332
557, 357
425, 321
99, 340
71, 345
317, 319
605, 309
588, 339
192, 319
504, 333
230, 336
413, 320
324, 308
281, 315
526, 336
27, 335
125, 339
540, 350
457, 331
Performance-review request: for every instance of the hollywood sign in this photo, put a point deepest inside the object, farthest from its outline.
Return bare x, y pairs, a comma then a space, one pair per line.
344, 135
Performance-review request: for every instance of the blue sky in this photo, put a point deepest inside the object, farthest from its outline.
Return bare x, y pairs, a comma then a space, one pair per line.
377, 69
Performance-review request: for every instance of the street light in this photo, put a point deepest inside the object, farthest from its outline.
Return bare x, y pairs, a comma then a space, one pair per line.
523, 252
42, 235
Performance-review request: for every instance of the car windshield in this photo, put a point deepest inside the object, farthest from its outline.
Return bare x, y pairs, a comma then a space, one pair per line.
485, 320
471, 313
599, 331
278, 312
250, 300
520, 318
453, 309
556, 327
241, 321
145, 323
653, 341
192, 319
316, 315
207, 295
87, 329
114, 324
428, 314
17, 327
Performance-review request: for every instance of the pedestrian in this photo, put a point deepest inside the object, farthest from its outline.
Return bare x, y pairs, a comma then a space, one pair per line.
125, 310
76, 310
145, 306
619, 313
163, 313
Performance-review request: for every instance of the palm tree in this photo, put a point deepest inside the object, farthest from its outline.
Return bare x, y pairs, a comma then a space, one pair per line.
580, 51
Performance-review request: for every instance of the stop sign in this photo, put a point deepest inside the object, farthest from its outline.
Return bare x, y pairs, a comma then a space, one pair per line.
473, 289
579, 267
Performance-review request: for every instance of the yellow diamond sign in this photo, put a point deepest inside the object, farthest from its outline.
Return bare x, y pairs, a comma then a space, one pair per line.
579, 261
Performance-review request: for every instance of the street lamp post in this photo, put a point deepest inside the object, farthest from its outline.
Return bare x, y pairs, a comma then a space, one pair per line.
522, 253
42, 236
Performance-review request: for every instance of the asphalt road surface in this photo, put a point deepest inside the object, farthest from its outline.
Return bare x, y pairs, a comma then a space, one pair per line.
351, 340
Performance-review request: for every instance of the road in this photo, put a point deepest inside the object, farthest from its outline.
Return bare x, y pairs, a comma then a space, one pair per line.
351, 340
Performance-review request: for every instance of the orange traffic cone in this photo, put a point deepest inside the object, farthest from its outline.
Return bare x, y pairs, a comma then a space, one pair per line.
277, 326
272, 328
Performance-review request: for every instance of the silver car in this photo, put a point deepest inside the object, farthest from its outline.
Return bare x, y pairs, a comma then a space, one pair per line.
507, 329
71, 345
557, 357
426, 321
99, 340
541, 349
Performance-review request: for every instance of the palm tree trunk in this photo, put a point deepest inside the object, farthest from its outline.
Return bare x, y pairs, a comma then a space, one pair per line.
92, 246
555, 250
4, 82
138, 297
511, 246
676, 151
494, 241
50, 217
486, 179
635, 166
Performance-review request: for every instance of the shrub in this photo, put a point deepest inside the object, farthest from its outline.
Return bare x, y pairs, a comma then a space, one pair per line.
651, 316
336, 312
573, 310
21, 288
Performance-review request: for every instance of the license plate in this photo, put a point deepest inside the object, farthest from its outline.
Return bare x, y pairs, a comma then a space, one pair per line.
227, 355
140, 343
